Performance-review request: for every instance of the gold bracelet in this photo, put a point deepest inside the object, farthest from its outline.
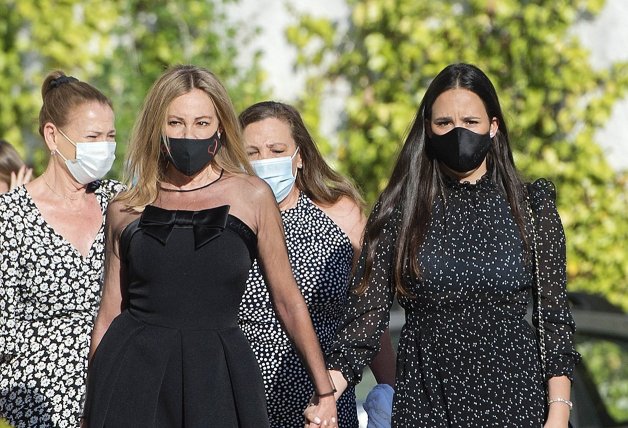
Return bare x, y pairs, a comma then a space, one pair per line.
561, 400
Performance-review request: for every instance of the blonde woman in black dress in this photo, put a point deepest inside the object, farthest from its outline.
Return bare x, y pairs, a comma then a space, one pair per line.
166, 349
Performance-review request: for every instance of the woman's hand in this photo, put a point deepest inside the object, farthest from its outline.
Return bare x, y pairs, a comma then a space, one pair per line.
557, 418
321, 413
22, 176
559, 389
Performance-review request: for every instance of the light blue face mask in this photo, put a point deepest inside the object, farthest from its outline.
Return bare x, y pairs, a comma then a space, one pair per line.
277, 172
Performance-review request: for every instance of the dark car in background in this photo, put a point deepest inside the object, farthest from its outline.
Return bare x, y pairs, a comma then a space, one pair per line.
600, 389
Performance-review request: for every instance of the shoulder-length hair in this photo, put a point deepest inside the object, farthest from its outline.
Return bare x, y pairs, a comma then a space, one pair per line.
146, 161
316, 179
416, 179
10, 161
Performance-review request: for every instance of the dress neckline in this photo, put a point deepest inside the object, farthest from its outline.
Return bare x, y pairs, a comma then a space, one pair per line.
189, 211
204, 210
97, 189
204, 186
483, 183
300, 201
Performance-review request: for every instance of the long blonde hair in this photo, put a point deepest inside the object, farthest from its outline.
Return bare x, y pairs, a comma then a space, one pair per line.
146, 162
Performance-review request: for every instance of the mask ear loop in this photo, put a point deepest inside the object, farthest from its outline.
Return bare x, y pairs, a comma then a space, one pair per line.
66, 137
71, 142
300, 164
165, 151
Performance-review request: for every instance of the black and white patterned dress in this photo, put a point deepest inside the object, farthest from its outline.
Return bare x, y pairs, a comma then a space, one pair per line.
466, 355
321, 257
49, 295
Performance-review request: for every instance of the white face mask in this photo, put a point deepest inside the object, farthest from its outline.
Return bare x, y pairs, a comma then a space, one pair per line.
277, 172
93, 159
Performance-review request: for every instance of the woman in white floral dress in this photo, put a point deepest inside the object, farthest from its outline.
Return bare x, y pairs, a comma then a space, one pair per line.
51, 259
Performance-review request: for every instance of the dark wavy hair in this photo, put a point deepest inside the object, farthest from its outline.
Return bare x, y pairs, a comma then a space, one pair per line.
317, 179
416, 179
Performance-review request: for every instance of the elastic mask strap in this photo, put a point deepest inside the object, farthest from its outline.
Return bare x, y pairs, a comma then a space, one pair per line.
67, 138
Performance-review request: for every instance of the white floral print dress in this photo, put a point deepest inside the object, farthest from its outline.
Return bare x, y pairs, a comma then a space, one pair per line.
49, 295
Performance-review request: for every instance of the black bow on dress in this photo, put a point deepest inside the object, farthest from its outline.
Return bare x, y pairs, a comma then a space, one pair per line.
206, 224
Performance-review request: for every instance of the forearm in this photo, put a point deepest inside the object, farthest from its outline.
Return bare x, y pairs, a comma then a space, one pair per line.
101, 324
339, 381
558, 388
383, 365
97, 333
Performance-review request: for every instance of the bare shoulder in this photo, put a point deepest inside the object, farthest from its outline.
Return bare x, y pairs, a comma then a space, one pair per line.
348, 215
344, 209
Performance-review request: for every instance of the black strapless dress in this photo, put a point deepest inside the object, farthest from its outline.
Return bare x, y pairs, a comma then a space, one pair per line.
176, 356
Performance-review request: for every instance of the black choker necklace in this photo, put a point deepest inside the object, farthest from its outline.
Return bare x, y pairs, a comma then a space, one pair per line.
195, 189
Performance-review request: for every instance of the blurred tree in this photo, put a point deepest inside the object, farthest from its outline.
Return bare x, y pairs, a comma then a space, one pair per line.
553, 99
35, 37
120, 47
151, 35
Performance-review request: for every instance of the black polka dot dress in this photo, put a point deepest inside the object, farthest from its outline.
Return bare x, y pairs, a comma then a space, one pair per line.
466, 356
49, 295
321, 257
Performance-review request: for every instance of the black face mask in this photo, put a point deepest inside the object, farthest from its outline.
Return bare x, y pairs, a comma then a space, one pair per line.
460, 149
189, 155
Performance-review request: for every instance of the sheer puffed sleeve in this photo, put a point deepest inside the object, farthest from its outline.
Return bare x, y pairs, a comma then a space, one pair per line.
367, 314
555, 313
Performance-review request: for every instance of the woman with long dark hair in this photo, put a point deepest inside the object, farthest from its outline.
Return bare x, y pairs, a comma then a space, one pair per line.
463, 242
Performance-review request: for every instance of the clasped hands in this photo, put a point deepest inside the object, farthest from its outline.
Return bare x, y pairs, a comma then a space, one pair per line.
321, 413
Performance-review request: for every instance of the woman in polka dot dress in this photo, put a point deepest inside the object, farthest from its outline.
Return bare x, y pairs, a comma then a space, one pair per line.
451, 236
323, 222
51, 259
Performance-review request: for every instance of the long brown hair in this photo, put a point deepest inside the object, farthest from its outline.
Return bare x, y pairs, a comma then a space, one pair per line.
146, 161
316, 179
10, 161
417, 180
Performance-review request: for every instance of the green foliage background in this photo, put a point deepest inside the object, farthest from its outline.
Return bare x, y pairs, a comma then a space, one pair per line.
553, 99
387, 53
119, 46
